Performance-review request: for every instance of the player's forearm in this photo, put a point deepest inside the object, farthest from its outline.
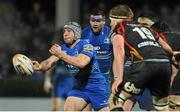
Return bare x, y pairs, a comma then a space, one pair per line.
119, 53
46, 65
165, 46
118, 67
76, 61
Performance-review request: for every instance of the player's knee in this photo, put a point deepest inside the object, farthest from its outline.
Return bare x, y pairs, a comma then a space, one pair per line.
68, 107
122, 98
160, 105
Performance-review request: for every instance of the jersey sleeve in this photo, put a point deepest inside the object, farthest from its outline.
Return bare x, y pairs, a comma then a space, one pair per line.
88, 50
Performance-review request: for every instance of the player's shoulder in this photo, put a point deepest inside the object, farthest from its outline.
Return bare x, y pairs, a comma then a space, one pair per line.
86, 30
83, 41
107, 27
86, 45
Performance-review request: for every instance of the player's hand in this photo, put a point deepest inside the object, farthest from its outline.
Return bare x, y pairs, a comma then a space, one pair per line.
115, 85
47, 85
176, 58
36, 66
55, 50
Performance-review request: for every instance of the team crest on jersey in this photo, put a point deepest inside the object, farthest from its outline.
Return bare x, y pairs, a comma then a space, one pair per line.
106, 41
88, 47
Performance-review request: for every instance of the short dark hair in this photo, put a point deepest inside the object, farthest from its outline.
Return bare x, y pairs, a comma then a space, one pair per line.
97, 11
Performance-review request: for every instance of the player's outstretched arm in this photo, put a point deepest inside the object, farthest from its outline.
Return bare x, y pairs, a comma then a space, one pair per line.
168, 49
176, 58
46, 64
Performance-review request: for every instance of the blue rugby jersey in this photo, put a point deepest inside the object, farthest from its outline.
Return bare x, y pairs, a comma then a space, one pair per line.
102, 45
88, 74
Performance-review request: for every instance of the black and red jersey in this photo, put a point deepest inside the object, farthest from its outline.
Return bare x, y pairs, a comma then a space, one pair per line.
140, 41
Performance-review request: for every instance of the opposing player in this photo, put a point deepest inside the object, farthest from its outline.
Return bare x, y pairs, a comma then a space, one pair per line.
97, 34
173, 39
59, 82
144, 101
149, 61
80, 59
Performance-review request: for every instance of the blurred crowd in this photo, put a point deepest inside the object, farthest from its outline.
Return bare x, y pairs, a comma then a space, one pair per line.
27, 33
31, 32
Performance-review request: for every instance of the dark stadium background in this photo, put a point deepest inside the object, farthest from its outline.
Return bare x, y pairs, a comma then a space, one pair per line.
31, 26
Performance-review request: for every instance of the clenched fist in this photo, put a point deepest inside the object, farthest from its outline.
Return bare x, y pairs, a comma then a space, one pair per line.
55, 50
36, 66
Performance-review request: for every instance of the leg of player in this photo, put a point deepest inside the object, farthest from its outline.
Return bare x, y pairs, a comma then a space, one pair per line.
116, 103
161, 104
56, 103
74, 104
174, 73
174, 97
87, 108
174, 102
128, 105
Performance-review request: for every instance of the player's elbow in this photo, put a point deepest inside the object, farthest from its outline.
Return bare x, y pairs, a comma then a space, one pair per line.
81, 65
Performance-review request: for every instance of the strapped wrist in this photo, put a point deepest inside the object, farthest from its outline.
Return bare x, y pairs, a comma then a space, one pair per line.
116, 77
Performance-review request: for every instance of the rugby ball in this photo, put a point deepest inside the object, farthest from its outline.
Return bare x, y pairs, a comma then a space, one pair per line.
22, 64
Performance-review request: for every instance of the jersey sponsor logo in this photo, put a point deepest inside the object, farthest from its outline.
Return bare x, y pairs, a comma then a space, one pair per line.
148, 43
129, 87
102, 52
88, 47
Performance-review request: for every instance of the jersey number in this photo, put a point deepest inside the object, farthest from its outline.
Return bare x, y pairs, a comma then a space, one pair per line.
144, 33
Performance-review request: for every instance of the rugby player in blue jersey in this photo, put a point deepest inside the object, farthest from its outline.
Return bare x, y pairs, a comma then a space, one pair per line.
80, 59
97, 34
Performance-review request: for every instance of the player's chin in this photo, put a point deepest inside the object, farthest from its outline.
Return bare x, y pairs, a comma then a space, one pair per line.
68, 41
96, 30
